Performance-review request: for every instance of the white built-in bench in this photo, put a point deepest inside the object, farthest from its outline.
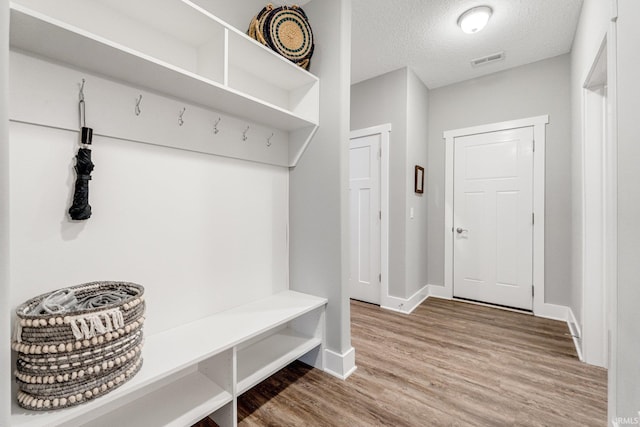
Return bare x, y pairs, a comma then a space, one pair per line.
199, 369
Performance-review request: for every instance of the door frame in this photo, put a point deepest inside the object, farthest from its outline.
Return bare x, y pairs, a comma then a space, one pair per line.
597, 218
540, 308
383, 130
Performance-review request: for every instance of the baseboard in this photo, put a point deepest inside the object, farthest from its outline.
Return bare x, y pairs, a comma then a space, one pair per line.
340, 365
552, 311
576, 333
438, 291
406, 305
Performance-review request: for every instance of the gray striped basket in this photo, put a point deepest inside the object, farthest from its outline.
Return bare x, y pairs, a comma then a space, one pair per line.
67, 359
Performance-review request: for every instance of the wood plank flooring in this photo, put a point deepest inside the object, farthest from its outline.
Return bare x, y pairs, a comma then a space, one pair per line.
448, 364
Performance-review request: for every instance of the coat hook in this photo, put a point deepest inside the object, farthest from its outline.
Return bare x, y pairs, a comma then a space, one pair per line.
82, 107
244, 134
269, 140
180, 121
138, 111
82, 91
215, 126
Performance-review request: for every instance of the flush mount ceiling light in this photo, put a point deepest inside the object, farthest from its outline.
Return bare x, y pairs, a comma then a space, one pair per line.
475, 19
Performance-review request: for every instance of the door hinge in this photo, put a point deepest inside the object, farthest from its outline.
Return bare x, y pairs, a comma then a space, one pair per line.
534, 145
533, 218
533, 291
380, 153
380, 214
380, 277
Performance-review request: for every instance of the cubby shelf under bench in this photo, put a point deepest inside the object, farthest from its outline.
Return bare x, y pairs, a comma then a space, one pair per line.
199, 369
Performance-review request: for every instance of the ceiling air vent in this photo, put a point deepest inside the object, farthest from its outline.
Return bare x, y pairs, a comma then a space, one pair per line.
487, 59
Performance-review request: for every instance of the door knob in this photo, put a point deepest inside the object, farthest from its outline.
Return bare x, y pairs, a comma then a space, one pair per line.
461, 230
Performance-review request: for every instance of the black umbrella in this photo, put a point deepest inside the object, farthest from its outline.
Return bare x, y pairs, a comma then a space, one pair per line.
81, 209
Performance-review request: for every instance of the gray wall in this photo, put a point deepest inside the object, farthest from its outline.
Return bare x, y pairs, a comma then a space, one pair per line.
627, 371
374, 102
5, 352
417, 147
530, 90
400, 98
318, 207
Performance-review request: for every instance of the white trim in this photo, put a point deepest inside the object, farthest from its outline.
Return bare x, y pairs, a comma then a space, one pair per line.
540, 308
576, 333
383, 130
571, 319
405, 305
373, 130
438, 291
493, 127
594, 168
552, 311
340, 365
611, 241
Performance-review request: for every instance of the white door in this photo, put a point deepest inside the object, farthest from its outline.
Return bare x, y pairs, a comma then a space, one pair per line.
493, 218
364, 197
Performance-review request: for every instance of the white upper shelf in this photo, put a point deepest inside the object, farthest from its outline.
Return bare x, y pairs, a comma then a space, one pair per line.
221, 51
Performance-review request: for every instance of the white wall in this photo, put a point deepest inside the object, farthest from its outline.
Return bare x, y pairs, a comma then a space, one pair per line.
377, 101
417, 147
400, 98
202, 233
530, 90
319, 246
5, 334
627, 373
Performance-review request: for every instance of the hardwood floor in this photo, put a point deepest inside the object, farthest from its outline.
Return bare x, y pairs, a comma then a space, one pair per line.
447, 364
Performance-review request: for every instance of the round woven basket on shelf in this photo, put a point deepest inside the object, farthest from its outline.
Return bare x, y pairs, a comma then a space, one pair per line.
286, 30
66, 357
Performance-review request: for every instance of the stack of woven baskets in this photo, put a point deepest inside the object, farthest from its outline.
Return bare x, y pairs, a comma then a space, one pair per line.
286, 30
78, 343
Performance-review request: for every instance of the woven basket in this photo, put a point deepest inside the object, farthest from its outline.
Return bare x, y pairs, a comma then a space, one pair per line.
66, 359
286, 30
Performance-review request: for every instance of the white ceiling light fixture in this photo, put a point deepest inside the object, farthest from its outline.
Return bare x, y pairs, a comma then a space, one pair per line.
475, 19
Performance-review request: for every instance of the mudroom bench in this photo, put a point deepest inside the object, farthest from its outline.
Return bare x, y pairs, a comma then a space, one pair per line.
200, 368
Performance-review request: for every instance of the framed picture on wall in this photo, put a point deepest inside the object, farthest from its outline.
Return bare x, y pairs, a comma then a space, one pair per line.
419, 179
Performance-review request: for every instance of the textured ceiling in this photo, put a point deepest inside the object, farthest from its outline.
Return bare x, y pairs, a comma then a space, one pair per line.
423, 35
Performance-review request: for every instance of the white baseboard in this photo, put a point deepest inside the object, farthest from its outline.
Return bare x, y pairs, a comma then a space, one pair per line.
576, 333
552, 311
438, 291
340, 365
573, 323
406, 305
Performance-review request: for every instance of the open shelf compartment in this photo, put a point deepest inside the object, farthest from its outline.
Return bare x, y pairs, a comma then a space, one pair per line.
181, 403
265, 357
47, 37
171, 31
264, 74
